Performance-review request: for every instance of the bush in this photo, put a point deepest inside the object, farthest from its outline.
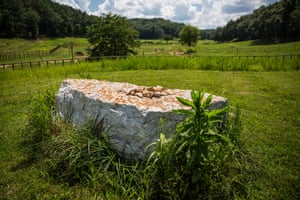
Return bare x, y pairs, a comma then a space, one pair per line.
197, 158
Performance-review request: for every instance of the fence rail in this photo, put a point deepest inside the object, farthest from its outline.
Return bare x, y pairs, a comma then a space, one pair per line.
85, 58
39, 63
30, 54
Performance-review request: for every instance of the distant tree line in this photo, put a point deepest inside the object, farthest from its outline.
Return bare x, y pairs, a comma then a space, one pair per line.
277, 22
156, 28
35, 18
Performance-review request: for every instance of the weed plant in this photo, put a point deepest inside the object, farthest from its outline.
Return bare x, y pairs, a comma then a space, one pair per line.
196, 162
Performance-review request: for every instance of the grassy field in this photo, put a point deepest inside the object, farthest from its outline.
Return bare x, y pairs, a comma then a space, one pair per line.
267, 90
212, 48
11, 50
20, 50
269, 103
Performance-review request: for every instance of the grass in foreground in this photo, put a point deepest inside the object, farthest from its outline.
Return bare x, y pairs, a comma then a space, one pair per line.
270, 115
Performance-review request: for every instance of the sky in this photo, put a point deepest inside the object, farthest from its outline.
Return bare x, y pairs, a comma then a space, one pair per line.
204, 14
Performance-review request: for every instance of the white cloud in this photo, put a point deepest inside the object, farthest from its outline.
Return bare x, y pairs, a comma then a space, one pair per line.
71, 3
84, 4
200, 13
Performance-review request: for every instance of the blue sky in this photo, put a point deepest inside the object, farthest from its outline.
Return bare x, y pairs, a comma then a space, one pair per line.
203, 14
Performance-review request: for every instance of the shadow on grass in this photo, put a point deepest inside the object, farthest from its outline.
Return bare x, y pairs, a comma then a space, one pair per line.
23, 164
263, 42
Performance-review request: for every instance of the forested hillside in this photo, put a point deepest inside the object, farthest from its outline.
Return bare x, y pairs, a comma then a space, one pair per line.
277, 22
156, 28
35, 18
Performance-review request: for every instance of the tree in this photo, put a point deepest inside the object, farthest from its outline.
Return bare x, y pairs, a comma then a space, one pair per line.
168, 37
112, 35
189, 35
32, 22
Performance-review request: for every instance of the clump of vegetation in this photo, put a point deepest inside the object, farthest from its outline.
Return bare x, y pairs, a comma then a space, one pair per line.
196, 162
40, 124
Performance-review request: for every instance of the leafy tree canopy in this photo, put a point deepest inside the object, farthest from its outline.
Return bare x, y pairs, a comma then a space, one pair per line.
189, 35
35, 18
155, 28
276, 22
112, 35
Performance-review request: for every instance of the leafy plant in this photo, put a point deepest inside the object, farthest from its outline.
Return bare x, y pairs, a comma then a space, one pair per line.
198, 141
190, 163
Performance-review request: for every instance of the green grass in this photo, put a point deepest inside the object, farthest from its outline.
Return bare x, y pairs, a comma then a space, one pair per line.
212, 48
31, 47
269, 103
22, 45
204, 48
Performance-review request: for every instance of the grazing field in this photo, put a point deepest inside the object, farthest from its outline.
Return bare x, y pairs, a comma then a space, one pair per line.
268, 101
212, 48
20, 50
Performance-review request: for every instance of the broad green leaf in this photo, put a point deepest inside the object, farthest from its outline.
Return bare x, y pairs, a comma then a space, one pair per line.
207, 101
184, 112
188, 155
181, 147
185, 102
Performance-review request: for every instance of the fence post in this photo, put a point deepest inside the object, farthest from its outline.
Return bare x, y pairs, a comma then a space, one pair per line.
13, 66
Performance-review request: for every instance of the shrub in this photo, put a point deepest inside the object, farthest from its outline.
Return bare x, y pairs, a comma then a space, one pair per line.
189, 165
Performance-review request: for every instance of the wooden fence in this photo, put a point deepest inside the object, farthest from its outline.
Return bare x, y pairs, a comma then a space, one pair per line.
23, 55
40, 63
79, 59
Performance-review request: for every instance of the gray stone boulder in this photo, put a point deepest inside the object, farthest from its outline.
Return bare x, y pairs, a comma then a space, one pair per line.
131, 116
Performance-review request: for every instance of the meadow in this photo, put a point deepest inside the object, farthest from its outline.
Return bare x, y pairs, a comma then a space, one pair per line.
266, 91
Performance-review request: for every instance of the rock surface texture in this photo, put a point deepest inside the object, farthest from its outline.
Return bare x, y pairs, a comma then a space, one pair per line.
130, 115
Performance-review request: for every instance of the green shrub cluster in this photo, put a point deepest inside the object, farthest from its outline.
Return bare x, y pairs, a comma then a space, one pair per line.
218, 63
203, 159
195, 162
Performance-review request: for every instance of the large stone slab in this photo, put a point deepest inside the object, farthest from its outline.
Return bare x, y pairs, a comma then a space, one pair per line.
130, 115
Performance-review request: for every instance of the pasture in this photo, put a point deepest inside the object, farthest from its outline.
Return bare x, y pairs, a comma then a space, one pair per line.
268, 101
